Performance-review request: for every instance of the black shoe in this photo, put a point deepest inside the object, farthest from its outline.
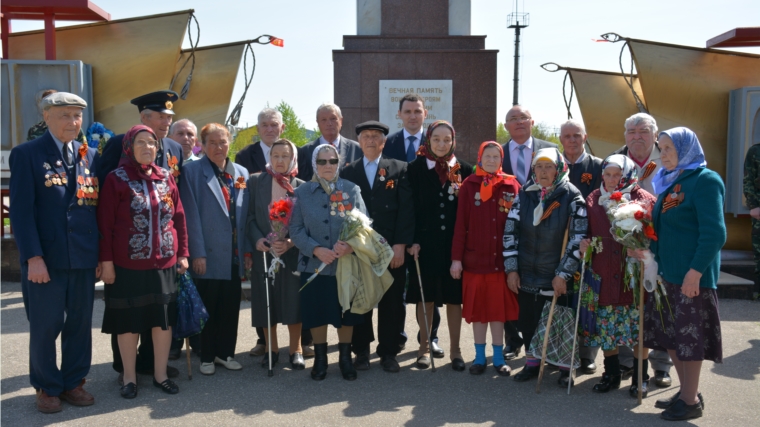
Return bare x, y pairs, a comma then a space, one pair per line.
167, 386
457, 364
361, 362
296, 362
174, 353
667, 403
477, 369
389, 364
681, 411
662, 379
588, 366
634, 390
511, 352
609, 382
436, 351
128, 391
275, 359
527, 373
503, 370
423, 362
625, 372
564, 379
344, 362
319, 370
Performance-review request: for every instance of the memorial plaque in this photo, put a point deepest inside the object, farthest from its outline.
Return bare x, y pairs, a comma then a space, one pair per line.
436, 93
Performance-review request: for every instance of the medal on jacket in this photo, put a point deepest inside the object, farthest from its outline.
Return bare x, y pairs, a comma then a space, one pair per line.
339, 204
477, 198
382, 173
451, 192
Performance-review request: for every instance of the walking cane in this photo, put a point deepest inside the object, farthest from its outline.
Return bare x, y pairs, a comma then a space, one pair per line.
189, 363
549, 322
269, 317
577, 318
424, 313
641, 329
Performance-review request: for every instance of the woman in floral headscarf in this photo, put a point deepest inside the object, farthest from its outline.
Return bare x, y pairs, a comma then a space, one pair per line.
277, 183
436, 176
548, 212
610, 318
484, 201
142, 249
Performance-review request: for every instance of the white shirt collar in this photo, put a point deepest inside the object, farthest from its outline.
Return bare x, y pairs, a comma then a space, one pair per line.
376, 161
266, 149
528, 144
580, 158
335, 143
431, 164
418, 135
59, 144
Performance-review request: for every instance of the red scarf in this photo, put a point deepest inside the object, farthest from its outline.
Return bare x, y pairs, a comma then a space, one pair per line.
490, 180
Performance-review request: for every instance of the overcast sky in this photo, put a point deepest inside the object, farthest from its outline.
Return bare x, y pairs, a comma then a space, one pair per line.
560, 31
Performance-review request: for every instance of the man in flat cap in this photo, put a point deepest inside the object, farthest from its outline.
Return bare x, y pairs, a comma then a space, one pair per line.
387, 194
156, 113
54, 222
329, 121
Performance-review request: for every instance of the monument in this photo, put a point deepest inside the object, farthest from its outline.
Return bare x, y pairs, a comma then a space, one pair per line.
423, 47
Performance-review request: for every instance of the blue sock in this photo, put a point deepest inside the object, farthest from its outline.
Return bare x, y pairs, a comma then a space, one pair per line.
480, 354
498, 355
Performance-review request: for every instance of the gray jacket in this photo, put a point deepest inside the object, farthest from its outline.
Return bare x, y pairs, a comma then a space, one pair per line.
208, 221
312, 226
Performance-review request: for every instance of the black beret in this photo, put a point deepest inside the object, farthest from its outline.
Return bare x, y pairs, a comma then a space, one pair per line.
373, 125
161, 101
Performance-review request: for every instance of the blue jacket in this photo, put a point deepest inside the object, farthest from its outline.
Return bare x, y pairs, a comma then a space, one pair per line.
47, 221
208, 221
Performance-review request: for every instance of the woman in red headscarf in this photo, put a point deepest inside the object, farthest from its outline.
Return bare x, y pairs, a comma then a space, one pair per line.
476, 253
436, 176
142, 249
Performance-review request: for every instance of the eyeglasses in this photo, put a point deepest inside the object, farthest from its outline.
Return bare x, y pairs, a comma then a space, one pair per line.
322, 162
518, 119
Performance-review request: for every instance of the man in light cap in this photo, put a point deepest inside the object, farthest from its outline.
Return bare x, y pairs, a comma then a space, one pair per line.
156, 113
388, 197
56, 231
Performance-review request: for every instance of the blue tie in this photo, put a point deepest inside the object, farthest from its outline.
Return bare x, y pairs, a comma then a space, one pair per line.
520, 172
371, 170
411, 153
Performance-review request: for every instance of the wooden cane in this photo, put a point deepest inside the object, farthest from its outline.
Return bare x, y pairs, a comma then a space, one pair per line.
641, 330
577, 319
189, 363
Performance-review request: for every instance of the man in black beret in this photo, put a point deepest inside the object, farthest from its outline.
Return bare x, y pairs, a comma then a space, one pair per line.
156, 112
387, 195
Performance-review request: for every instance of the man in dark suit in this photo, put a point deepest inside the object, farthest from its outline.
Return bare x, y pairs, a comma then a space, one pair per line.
403, 145
57, 239
156, 113
255, 157
388, 197
518, 154
329, 121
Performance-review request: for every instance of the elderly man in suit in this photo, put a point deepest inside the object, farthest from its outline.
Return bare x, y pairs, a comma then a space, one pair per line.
641, 147
388, 197
156, 113
329, 121
254, 157
185, 133
57, 236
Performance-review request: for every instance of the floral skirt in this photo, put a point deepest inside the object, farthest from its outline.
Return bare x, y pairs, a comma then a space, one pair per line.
689, 326
616, 325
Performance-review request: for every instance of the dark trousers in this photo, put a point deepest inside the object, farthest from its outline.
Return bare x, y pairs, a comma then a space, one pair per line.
433, 328
222, 301
531, 306
512, 335
62, 307
391, 314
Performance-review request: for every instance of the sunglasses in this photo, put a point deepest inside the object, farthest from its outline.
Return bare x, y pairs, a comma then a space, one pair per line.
322, 162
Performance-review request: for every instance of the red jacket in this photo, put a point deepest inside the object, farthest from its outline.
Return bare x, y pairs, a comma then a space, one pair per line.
609, 263
479, 230
130, 212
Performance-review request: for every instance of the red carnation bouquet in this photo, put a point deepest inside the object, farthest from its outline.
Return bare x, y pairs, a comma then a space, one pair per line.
279, 219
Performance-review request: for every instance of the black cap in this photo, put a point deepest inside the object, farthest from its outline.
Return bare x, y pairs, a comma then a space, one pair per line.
372, 125
161, 101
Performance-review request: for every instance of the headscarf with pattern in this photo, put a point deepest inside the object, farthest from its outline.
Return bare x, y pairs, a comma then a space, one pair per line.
690, 156
150, 171
490, 180
326, 185
442, 167
552, 155
283, 179
627, 182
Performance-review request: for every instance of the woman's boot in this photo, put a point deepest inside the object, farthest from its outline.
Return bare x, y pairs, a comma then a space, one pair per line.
345, 362
611, 377
634, 390
319, 370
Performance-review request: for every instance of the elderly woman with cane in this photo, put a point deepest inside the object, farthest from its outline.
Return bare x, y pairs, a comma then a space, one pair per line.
541, 237
484, 201
436, 177
278, 183
318, 216
611, 318
688, 219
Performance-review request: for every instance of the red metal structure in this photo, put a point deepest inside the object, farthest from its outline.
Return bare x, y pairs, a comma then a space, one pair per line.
48, 11
738, 37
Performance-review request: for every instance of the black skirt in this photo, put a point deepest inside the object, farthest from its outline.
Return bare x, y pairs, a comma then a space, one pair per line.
438, 288
320, 305
139, 300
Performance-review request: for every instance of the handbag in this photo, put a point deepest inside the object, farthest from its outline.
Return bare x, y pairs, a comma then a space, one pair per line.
191, 313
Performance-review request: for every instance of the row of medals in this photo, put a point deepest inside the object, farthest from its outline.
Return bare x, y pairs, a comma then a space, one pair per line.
334, 205
55, 179
478, 201
87, 187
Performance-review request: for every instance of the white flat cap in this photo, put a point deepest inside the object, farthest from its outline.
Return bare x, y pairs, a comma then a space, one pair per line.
63, 99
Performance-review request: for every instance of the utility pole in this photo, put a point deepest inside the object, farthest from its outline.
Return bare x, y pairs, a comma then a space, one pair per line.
517, 20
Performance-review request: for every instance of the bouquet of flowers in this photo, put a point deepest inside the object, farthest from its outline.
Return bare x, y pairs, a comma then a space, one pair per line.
354, 221
279, 219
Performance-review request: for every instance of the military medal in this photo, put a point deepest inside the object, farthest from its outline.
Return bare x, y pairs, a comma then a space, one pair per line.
48, 183
382, 175
64, 181
58, 163
46, 165
80, 202
86, 171
477, 199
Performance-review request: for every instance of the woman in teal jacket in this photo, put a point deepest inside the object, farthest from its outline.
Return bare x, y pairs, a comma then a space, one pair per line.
688, 219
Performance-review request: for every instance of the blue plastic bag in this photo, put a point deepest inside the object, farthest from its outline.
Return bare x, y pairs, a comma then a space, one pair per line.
191, 313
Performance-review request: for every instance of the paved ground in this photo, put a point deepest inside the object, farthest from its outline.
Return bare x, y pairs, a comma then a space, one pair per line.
412, 397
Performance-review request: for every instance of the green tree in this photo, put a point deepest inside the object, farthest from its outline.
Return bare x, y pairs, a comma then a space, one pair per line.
541, 131
294, 129
502, 136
